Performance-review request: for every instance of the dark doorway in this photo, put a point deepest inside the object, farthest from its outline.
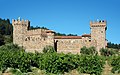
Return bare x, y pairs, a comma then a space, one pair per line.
55, 45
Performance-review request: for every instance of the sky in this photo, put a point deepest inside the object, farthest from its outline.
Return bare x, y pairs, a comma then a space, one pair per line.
66, 16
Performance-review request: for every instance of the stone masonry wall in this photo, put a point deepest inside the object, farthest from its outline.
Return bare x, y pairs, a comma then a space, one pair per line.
37, 39
31, 40
69, 45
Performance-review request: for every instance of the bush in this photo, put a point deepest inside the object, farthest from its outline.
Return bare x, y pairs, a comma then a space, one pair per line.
1, 40
115, 63
91, 64
106, 52
48, 49
88, 51
11, 56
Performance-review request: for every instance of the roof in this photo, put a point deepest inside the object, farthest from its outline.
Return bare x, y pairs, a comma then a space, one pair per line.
50, 31
86, 35
68, 37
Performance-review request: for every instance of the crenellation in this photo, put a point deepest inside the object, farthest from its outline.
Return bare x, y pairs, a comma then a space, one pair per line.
37, 39
99, 23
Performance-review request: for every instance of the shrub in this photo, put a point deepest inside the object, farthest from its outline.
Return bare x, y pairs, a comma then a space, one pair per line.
11, 56
106, 52
88, 51
91, 64
1, 40
48, 49
115, 63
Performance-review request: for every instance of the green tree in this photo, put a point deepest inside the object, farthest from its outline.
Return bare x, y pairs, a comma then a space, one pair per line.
1, 40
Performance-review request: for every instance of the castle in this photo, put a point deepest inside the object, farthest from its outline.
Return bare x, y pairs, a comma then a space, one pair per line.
37, 39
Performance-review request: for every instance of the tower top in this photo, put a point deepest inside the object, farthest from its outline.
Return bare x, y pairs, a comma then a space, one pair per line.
100, 23
18, 21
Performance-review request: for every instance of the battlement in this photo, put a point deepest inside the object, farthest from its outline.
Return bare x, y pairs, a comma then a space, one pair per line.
100, 23
20, 22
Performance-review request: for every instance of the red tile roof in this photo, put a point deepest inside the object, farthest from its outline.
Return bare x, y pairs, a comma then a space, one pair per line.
68, 37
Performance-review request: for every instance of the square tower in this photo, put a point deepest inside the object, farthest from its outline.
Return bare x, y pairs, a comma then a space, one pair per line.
20, 28
98, 34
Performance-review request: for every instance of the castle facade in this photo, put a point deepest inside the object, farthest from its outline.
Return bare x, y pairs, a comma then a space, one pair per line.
37, 39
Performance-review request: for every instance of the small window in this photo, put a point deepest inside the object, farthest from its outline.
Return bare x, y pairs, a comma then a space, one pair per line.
26, 39
89, 40
101, 31
44, 39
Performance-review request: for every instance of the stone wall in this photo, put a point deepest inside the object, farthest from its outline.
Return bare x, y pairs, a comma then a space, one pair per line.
31, 40
69, 45
72, 44
37, 39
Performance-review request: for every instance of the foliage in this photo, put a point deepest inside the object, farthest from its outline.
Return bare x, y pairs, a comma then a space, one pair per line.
5, 27
112, 45
48, 49
13, 56
8, 39
62, 34
88, 51
37, 27
106, 52
91, 64
1, 40
115, 63
10, 47
5, 30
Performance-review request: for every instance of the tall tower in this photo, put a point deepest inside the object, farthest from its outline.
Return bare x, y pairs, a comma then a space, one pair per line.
19, 31
98, 34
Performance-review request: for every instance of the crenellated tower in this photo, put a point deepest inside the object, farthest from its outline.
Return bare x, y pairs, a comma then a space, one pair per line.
98, 34
20, 28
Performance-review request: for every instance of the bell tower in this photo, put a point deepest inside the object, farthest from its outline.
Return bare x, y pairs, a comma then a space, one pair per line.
98, 34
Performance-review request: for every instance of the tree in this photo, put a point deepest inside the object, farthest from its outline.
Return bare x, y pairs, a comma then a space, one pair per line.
1, 40
113, 45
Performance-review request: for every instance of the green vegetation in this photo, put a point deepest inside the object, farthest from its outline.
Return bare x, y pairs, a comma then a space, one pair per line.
112, 45
15, 57
5, 31
116, 64
88, 51
62, 34
108, 52
37, 27
49, 49
5, 27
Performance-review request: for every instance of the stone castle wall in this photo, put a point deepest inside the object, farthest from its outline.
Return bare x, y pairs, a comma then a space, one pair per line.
72, 44
31, 40
69, 45
37, 39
